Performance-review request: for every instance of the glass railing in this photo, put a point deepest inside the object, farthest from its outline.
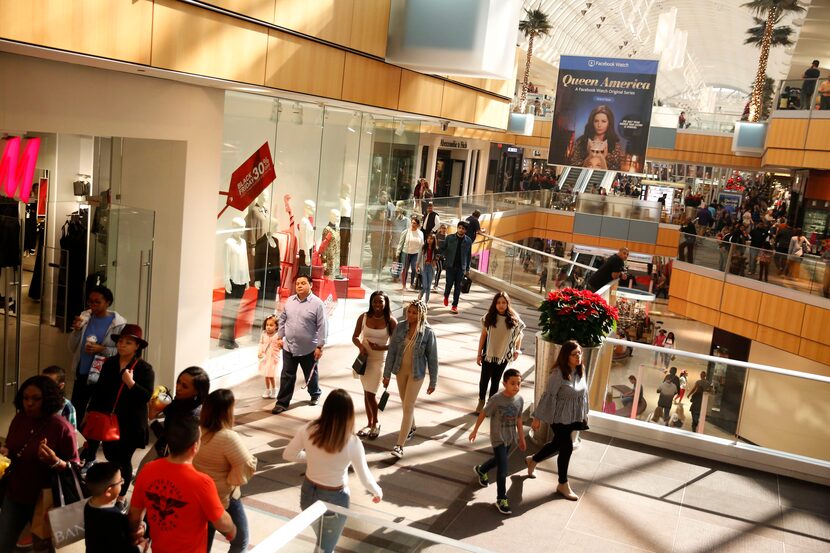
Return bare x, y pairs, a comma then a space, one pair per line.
748, 404
527, 268
808, 273
711, 122
800, 94
617, 206
315, 530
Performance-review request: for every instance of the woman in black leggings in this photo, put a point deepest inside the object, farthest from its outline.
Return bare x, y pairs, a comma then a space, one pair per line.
564, 406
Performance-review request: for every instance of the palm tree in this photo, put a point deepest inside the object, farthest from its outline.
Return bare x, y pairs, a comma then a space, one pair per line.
535, 24
780, 35
773, 10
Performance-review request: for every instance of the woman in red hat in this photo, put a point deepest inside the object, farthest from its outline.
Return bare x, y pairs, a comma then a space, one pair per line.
124, 387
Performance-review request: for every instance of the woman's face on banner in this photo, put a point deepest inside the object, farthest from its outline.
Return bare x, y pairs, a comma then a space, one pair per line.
600, 124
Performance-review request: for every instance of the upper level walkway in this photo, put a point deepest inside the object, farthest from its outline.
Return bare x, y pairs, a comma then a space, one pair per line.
633, 497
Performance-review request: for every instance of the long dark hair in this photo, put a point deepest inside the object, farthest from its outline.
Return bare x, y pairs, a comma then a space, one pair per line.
610, 134
201, 381
332, 430
387, 311
217, 411
492, 314
563, 357
426, 247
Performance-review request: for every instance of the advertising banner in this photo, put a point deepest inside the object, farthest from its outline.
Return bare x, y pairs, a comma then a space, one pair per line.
602, 113
250, 179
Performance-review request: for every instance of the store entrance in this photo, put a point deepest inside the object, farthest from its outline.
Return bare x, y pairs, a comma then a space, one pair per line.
68, 236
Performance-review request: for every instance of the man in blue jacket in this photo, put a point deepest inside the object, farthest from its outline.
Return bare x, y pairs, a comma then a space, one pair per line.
456, 251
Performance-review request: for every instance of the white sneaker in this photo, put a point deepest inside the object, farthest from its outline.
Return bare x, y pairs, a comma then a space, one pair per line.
273, 393
266, 394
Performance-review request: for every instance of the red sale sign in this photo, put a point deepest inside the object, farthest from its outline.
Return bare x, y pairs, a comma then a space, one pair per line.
250, 179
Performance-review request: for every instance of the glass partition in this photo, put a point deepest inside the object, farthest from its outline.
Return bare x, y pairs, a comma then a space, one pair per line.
768, 407
800, 94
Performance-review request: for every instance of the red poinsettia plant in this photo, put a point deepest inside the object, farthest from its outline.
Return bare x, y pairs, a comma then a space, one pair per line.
581, 315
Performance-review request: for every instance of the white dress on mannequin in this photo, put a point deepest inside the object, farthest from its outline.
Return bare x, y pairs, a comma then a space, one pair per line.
236, 262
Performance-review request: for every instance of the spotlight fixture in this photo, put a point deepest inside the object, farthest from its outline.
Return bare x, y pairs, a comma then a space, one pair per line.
399, 129
588, 5
297, 114
445, 125
370, 125
602, 18
354, 124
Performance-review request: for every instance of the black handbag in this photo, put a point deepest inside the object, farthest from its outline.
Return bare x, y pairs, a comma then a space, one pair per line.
359, 365
384, 399
466, 283
418, 281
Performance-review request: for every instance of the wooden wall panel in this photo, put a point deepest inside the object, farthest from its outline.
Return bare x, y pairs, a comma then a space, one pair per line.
781, 313
816, 160
815, 325
785, 158
668, 237
367, 81
639, 247
289, 58
496, 86
678, 306
194, 40
562, 223
327, 19
786, 133
778, 339
702, 314
815, 351
542, 129
818, 135
667, 251
585, 240
741, 302
420, 93
459, 103
370, 24
679, 284
258, 9
117, 30
738, 326
705, 291
612, 243
705, 143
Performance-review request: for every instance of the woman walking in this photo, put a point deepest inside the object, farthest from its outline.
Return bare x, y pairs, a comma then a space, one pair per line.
328, 446
125, 388
224, 458
409, 245
90, 343
427, 260
371, 336
564, 406
696, 399
668, 343
412, 351
500, 343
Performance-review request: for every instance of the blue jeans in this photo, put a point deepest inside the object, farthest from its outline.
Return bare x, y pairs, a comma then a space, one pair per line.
289, 376
332, 523
499, 461
427, 274
409, 263
13, 518
453, 279
237, 512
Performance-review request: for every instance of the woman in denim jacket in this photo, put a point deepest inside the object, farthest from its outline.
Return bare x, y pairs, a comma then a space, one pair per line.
412, 351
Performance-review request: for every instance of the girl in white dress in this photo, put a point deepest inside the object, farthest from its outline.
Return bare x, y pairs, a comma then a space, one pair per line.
371, 336
269, 356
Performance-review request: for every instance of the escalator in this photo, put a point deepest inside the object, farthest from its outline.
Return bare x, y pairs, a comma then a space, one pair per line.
570, 178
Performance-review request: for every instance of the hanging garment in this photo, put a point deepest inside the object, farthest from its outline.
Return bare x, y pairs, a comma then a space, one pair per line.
267, 266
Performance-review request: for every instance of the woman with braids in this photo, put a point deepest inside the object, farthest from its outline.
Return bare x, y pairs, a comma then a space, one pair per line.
564, 406
328, 446
500, 342
412, 351
600, 140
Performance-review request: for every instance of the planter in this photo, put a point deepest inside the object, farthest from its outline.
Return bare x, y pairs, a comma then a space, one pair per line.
546, 353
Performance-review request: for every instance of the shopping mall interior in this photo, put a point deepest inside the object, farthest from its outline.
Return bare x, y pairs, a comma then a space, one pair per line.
606, 155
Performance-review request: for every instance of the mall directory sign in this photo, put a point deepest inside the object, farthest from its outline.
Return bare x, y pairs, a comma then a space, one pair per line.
602, 113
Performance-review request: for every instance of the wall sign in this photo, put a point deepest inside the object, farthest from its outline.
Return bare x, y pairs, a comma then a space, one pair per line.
459, 144
250, 179
16, 171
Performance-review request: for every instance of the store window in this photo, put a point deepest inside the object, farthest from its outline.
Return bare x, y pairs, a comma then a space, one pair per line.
342, 180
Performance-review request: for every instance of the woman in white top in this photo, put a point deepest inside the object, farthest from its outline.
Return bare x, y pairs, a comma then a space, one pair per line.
500, 342
224, 458
799, 245
328, 446
371, 336
411, 241
668, 343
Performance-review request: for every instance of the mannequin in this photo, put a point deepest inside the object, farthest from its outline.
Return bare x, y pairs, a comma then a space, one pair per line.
330, 246
306, 232
257, 218
236, 277
266, 271
345, 222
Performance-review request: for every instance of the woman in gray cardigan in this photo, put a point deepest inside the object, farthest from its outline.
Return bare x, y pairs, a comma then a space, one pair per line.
564, 406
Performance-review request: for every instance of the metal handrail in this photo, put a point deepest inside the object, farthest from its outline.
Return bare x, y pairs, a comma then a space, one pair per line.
537, 252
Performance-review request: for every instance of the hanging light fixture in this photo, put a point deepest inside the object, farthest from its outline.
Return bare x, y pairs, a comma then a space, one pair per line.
399, 129
297, 114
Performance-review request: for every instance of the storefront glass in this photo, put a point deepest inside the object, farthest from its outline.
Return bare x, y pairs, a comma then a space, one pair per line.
343, 184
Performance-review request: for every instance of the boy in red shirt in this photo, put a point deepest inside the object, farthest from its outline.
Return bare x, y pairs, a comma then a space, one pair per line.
179, 501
